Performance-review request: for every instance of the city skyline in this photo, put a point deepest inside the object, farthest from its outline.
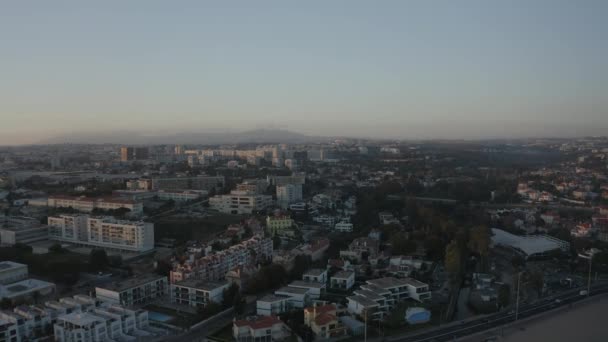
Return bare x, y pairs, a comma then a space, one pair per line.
415, 70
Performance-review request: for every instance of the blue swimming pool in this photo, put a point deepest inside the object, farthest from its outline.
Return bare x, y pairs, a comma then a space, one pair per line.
159, 317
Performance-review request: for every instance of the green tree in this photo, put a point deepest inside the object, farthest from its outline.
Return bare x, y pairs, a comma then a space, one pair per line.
98, 260
402, 245
479, 243
453, 259
56, 248
504, 295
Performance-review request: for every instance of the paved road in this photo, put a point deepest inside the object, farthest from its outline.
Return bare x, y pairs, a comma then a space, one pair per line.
457, 330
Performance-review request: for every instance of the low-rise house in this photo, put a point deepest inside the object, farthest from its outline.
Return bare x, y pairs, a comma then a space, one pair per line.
298, 297
315, 290
259, 329
323, 321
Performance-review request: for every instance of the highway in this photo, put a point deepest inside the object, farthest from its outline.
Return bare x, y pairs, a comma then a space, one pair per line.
456, 330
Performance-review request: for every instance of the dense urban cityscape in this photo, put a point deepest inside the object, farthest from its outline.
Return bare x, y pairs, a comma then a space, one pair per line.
346, 239
303, 171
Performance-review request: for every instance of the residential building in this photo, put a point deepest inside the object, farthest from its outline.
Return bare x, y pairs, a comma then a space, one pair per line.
88, 204
103, 232
343, 227
314, 290
136, 290
298, 296
215, 266
195, 292
26, 288
80, 327
316, 275
288, 194
129, 153
279, 225
378, 297
273, 305
139, 184
23, 230
207, 183
240, 202
180, 196
260, 329
343, 280
11, 272
360, 247
323, 321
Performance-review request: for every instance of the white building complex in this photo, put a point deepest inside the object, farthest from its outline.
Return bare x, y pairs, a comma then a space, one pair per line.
240, 202
132, 291
378, 297
78, 318
88, 204
102, 232
288, 194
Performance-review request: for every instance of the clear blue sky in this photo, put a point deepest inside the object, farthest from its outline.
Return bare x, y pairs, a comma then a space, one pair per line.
405, 69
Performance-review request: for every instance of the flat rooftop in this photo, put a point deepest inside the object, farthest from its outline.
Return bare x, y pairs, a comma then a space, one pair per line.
529, 245
272, 298
315, 272
308, 284
343, 274
126, 284
9, 265
202, 284
24, 287
292, 290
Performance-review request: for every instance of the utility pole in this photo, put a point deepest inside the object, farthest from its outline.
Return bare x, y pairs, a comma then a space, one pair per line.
517, 300
589, 279
365, 330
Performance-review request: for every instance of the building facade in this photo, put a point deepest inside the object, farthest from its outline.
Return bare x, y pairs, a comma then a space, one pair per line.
103, 232
139, 290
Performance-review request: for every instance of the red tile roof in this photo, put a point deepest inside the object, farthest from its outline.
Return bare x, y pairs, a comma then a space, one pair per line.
259, 323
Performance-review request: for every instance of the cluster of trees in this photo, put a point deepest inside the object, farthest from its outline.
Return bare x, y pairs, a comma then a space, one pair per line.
269, 277
59, 265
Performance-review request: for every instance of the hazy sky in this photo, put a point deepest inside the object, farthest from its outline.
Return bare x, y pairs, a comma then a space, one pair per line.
406, 69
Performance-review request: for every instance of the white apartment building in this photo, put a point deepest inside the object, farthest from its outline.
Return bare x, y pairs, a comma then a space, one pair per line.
343, 280
11, 272
240, 202
132, 291
15, 229
181, 196
380, 296
215, 266
273, 305
79, 327
288, 194
343, 227
195, 292
103, 232
316, 275
87, 204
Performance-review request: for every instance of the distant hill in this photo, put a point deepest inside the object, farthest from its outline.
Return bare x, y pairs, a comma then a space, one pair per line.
211, 138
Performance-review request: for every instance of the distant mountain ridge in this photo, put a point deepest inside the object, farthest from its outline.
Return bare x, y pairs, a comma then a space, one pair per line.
211, 138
